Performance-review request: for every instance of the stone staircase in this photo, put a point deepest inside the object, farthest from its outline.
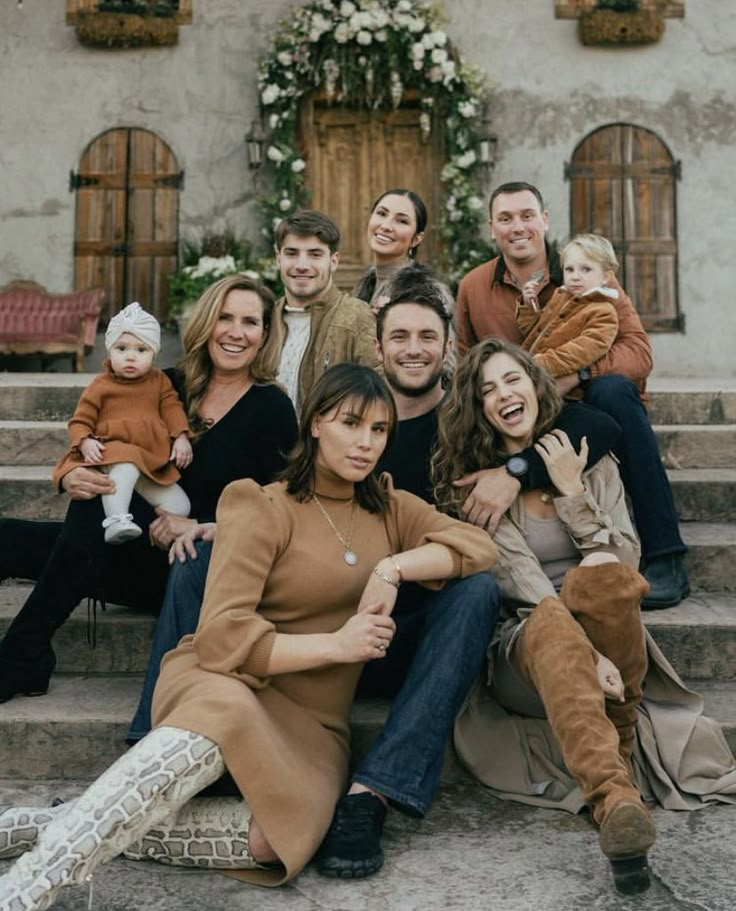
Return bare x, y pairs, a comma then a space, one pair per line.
78, 729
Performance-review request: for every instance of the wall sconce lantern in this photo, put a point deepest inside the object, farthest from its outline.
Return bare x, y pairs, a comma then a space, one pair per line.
254, 142
487, 146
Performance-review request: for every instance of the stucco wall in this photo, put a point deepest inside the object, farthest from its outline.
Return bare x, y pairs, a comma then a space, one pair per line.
548, 92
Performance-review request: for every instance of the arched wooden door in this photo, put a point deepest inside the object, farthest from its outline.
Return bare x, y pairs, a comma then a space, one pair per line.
127, 218
352, 156
623, 187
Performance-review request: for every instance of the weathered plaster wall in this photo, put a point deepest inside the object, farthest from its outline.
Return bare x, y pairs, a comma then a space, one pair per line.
548, 92
56, 96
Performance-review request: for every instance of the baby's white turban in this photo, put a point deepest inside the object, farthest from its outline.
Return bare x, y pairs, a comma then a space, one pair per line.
135, 320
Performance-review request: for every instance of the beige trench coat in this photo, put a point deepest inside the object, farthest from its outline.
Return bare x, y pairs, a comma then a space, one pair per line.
681, 757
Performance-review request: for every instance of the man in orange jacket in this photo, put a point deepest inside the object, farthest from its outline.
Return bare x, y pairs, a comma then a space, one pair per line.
486, 306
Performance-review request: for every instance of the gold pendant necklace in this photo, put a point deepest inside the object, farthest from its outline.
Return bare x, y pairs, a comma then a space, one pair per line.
350, 557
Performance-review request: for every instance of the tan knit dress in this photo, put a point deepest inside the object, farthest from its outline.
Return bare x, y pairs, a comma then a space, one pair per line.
277, 568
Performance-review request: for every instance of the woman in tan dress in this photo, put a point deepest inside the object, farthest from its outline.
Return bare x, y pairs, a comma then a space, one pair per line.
303, 579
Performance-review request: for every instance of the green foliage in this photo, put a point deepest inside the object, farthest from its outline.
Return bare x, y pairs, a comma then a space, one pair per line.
619, 6
370, 54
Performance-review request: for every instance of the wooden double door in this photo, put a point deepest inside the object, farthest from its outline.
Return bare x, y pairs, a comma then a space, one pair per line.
352, 157
127, 219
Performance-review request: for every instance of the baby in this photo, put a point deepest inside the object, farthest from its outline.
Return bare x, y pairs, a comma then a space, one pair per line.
125, 422
579, 323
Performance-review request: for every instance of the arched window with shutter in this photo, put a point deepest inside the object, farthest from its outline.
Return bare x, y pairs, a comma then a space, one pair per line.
622, 185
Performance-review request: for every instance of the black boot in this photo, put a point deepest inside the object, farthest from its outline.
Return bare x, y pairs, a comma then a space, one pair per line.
26, 657
668, 582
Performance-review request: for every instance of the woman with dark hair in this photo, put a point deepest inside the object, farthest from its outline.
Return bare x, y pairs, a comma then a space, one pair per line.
243, 423
571, 647
395, 229
303, 579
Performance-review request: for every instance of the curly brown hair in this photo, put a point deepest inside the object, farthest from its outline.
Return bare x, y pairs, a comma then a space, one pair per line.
466, 440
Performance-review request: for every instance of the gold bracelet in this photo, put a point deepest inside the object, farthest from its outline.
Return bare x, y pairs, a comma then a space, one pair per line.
385, 577
396, 567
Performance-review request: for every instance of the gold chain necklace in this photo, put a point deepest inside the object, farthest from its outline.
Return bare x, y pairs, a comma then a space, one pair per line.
350, 557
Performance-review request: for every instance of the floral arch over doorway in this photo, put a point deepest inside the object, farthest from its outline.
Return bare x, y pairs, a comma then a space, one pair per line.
376, 54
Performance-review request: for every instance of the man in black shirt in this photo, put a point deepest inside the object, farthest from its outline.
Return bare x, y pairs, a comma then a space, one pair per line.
441, 637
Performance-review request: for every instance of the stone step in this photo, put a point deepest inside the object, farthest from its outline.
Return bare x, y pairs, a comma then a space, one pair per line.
682, 446
78, 729
40, 396
704, 494
701, 494
53, 396
698, 636
32, 442
692, 401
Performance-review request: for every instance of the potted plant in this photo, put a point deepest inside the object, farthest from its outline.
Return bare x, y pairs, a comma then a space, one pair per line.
215, 256
613, 22
128, 23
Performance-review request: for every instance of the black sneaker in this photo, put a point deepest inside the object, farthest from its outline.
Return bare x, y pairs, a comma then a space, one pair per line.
352, 846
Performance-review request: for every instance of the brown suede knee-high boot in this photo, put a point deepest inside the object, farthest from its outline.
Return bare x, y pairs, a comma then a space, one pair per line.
605, 600
555, 655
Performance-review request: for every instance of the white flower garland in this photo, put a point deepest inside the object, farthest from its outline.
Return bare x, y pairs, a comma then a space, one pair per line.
369, 53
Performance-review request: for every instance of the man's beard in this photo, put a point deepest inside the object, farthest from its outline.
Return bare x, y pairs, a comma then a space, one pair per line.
413, 392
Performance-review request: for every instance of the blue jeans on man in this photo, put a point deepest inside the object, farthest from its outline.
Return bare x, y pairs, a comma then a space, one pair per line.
646, 483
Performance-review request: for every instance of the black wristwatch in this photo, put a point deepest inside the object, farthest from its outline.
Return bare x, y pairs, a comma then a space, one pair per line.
517, 466
584, 376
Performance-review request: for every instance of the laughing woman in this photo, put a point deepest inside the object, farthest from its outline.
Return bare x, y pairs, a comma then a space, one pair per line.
572, 648
300, 591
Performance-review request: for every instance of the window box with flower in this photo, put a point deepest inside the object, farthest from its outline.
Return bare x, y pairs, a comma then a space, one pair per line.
128, 23
616, 22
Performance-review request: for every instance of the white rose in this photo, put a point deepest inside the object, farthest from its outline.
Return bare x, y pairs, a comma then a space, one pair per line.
466, 159
273, 153
439, 55
448, 68
270, 94
347, 8
475, 203
273, 121
418, 64
428, 41
467, 109
381, 35
415, 25
342, 33
275, 223
285, 204
404, 6
439, 38
417, 50
364, 37
298, 165
284, 58
435, 74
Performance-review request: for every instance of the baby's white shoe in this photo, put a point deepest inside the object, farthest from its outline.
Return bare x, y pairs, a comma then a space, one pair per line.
120, 528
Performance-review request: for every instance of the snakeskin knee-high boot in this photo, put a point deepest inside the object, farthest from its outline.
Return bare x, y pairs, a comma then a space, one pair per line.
142, 788
21, 826
208, 832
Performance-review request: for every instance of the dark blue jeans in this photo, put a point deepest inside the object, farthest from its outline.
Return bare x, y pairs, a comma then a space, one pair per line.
433, 660
179, 616
641, 467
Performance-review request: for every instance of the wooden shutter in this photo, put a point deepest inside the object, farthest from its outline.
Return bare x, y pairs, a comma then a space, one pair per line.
353, 156
623, 187
127, 219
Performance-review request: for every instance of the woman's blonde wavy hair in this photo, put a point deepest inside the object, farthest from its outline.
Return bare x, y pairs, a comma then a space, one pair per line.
196, 364
466, 440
